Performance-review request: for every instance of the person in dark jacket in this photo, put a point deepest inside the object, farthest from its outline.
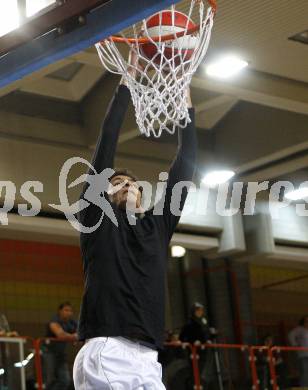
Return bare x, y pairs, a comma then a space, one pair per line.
197, 329
125, 262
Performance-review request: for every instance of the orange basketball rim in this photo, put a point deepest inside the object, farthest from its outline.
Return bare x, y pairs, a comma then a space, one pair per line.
143, 40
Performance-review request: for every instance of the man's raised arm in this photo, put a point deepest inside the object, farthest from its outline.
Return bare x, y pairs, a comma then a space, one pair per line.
107, 142
106, 145
108, 139
105, 148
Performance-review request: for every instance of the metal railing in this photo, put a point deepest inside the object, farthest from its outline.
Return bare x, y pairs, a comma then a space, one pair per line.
20, 360
194, 351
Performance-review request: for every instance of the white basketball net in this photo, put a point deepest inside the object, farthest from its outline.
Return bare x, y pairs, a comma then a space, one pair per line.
159, 89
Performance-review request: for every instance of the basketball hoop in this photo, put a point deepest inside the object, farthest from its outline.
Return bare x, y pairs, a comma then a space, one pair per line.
169, 47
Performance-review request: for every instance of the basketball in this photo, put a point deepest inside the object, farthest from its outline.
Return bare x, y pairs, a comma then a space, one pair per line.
165, 23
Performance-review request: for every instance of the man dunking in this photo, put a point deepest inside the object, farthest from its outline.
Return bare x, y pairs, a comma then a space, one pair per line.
122, 312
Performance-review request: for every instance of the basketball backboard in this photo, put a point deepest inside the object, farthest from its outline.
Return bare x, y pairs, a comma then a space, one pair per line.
36, 33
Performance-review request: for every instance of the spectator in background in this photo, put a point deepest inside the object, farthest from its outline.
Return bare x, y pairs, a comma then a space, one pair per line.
263, 366
61, 326
298, 337
7, 377
173, 337
5, 327
197, 329
176, 360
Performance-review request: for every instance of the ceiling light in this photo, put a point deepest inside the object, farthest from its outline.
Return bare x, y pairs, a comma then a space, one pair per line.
301, 193
178, 251
9, 16
226, 67
214, 178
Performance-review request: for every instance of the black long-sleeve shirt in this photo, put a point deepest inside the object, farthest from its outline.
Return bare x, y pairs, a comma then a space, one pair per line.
124, 266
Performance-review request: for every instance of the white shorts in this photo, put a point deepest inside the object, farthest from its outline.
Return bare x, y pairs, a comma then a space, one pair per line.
116, 363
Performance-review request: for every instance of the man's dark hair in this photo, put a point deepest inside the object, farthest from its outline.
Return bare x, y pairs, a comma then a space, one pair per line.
63, 304
125, 172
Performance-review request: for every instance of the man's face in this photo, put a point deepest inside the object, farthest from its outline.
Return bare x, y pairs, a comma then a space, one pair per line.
129, 195
66, 313
199, 312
